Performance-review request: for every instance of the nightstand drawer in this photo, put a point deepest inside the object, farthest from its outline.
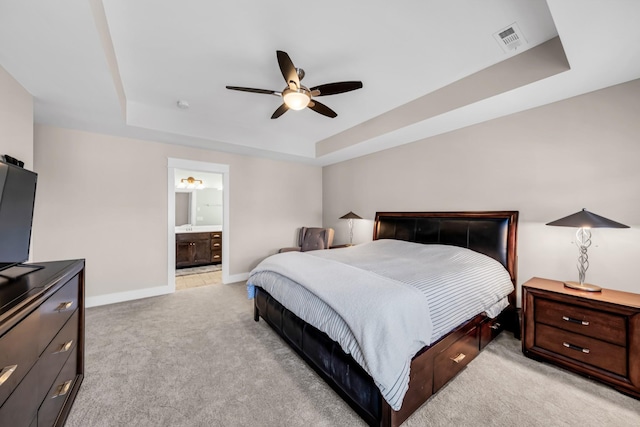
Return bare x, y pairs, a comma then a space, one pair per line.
596, 324
610, 357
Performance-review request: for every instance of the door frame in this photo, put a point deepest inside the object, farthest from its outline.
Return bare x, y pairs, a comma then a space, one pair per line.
173, 164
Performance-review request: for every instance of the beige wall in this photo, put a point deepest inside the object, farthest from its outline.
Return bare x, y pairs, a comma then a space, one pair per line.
104, 198
16, 120
547, 163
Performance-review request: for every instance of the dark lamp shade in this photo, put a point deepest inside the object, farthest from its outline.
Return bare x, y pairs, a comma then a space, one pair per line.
350, 215
586, 219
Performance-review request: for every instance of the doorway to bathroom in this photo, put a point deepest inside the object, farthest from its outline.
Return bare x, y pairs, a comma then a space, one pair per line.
198, 212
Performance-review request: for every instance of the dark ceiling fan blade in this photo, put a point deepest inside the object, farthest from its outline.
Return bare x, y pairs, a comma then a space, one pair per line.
249, 89
280, 111
288, 69
335, 88
322, 109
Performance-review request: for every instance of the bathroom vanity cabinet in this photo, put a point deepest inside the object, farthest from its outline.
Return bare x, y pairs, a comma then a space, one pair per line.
193, 249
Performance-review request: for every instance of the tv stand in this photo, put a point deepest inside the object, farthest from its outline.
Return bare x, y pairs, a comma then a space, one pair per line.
41, 344
18, 270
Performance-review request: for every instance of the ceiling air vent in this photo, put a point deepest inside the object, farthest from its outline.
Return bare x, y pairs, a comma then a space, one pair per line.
510, 38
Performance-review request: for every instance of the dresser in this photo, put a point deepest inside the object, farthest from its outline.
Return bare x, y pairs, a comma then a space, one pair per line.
596, 334
41, 344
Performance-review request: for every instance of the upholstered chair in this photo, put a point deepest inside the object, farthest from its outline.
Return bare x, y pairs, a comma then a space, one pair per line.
312, 239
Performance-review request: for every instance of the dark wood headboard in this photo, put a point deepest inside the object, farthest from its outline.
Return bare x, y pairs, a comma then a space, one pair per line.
490, 233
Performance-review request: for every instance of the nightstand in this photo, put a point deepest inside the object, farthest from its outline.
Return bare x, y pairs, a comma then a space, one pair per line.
595, 334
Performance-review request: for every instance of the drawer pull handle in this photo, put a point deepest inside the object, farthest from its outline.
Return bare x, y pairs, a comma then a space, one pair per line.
64, 347
495, 326
575, 347
579, 322
458, 358
64, 306
216, 256
6, 373
62, 389
216, 244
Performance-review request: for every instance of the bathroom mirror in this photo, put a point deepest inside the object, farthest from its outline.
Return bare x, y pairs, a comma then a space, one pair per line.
199, 207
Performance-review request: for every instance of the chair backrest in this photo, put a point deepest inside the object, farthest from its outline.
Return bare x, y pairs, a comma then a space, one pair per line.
314, 238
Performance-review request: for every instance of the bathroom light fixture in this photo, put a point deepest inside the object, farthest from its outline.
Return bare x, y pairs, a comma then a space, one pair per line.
350, 216
585, 220
191, 182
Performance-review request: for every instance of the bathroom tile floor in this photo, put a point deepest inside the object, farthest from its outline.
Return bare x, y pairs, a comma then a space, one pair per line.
196, 280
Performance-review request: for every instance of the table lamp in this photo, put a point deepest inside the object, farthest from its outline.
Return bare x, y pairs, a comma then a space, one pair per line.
585, 221
350, 216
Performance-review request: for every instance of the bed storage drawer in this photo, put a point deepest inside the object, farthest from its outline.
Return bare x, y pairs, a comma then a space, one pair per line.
489, 330
454, 358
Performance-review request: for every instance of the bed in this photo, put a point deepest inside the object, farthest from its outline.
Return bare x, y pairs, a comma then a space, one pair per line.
429, 366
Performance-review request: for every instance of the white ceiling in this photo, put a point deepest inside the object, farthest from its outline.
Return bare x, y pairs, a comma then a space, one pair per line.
120, 66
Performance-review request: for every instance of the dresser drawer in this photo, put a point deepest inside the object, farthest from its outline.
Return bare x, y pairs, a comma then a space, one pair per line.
452, 360
59, 392
216, 236
601, 354
216, 255
597, 324
216, 244
17, 354
55, 312
21, 407
56, 354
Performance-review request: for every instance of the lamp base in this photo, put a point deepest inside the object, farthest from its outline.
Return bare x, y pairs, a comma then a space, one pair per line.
588, 287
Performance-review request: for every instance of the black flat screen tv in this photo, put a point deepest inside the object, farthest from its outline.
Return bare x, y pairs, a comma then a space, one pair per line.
17, 198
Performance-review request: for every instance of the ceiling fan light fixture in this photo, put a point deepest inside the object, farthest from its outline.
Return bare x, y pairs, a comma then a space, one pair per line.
296, 99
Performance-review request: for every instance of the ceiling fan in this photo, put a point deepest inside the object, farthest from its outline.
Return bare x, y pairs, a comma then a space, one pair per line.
296, 96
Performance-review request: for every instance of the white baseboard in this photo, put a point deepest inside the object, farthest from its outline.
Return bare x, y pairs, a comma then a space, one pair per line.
147, 292
127, 296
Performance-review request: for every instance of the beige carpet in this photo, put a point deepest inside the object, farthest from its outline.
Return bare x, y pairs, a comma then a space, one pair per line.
197, 358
